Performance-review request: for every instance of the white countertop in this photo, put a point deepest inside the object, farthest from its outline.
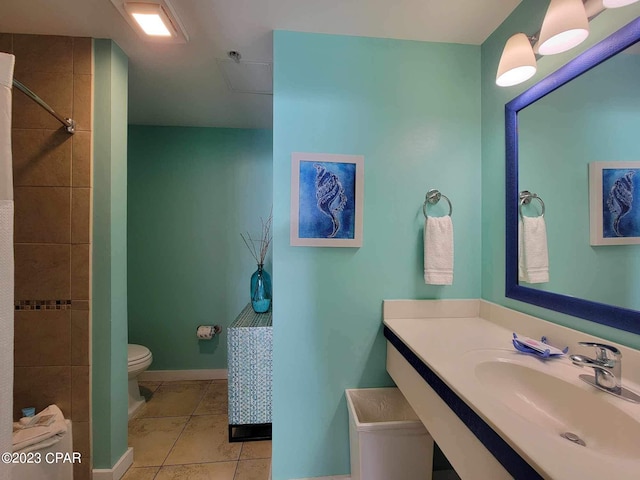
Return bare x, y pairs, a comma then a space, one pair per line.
443, 343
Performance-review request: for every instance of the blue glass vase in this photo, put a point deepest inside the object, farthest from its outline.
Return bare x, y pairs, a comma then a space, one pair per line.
260, 290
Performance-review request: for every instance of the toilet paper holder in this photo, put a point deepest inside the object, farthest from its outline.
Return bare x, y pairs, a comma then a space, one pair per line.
207, 332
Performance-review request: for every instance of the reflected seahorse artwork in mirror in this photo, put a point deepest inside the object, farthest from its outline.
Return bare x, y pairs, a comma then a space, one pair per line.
593, 139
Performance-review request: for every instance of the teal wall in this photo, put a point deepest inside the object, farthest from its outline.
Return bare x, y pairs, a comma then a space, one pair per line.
526, 17
593, 119
192, 191
109, 269
413, 110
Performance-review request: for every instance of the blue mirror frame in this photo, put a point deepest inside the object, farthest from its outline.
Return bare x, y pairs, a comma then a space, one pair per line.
621, 318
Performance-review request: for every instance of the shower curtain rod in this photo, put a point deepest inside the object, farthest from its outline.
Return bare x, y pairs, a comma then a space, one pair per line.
70, 124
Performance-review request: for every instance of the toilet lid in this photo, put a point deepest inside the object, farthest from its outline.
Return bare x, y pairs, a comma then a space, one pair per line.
136, 352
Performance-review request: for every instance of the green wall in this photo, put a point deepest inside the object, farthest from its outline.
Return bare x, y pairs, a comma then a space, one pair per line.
109, 269
526, 17
192, 191
413, 110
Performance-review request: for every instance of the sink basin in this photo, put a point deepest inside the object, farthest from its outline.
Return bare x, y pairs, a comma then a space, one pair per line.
551, 398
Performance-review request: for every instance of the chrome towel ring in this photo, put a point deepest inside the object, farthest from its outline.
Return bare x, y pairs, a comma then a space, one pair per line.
433, 197
525, 199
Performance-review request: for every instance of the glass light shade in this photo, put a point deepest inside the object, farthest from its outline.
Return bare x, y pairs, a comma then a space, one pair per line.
151, 18
565, 25
617, 3
517, 63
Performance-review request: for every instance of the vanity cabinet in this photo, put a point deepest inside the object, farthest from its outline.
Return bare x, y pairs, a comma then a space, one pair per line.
250, 359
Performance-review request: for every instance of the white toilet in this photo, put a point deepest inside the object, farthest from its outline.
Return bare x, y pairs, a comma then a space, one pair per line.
139, 359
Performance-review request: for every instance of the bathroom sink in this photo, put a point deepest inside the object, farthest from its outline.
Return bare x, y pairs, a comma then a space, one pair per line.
549, 396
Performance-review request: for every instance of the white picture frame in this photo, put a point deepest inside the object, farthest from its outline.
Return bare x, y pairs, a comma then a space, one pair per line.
327, 200
614, 203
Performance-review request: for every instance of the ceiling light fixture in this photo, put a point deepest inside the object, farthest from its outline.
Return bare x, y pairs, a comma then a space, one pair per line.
517, 63
153, 23
153, 20
565, 26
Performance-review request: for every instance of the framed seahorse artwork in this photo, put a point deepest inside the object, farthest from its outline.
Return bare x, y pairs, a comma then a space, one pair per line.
614, 203
327, 192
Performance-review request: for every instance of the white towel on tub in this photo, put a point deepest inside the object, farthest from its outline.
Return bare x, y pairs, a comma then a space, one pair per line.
35, 438
533, 256
438, 250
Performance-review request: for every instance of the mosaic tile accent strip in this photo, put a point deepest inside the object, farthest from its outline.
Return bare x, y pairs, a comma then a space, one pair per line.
43, 305
250, 368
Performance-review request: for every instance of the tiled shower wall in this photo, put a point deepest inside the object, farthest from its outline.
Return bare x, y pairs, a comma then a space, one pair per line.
52, 189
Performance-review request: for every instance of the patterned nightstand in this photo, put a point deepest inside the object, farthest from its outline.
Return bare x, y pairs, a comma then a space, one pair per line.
249, 348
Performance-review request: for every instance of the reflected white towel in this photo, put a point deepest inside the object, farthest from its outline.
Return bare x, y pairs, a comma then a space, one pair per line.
34, 438
533, 256
438, 251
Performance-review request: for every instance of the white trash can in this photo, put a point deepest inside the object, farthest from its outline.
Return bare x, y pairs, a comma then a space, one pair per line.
387, 439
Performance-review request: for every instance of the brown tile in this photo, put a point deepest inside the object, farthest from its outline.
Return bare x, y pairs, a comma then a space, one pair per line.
255, 450
39, 387
174, 399
42, 272
6, 43
80, 305
81, 159
214, 401
82, 471
152, 439
42, 338
80, 215
80, 266
205, 439
80, 338
80, 394
56, 89
41, 158
82, 101
82, 444
198, 471
141, 473
42, 214
82, 55
43, 53
253, 470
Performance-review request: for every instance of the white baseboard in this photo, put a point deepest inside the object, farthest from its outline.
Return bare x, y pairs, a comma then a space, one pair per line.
173, 375
334, 477
118, 470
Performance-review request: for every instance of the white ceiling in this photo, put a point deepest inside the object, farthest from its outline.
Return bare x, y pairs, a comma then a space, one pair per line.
182, 84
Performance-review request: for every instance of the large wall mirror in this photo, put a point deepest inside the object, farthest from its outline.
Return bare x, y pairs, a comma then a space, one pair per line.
587, 111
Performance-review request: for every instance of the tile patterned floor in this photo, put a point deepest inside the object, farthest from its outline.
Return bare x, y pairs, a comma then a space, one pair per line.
182, 434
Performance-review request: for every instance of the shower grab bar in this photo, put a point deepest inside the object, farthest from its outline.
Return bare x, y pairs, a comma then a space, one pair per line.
69, 123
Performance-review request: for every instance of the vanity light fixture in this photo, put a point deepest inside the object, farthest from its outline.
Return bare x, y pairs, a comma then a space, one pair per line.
617, 3
517, 63
153, 20
565, 26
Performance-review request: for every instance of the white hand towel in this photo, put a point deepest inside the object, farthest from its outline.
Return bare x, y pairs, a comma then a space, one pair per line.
533, 261
32, 438
438, 251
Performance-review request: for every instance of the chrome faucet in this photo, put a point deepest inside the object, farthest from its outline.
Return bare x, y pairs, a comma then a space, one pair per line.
607, 367
608, 370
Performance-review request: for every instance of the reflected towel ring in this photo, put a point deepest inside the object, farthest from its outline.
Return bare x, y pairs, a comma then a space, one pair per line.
525, 199
433, 197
